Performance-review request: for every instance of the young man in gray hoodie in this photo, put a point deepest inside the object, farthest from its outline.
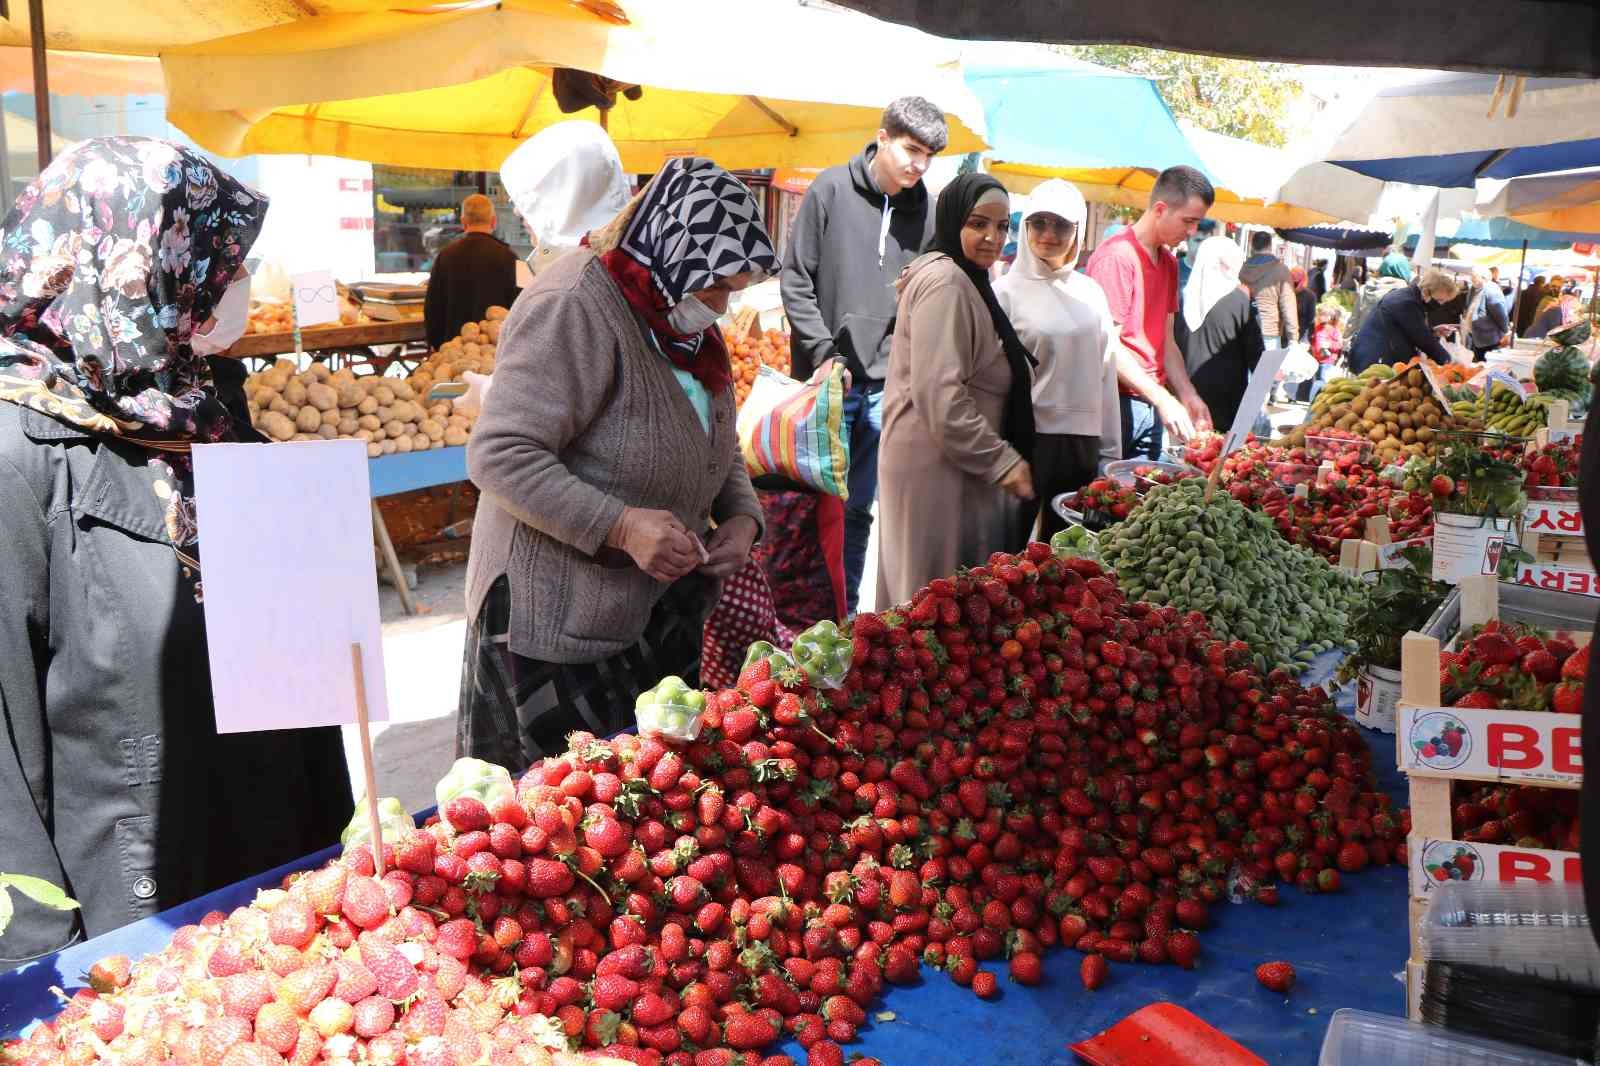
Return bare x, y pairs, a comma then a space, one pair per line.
859, 225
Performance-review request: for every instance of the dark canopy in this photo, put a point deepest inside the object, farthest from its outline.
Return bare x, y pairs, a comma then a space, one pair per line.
1339, 238
1535, 37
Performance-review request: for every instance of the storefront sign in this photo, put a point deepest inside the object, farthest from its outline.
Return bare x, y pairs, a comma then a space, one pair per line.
1559, 578
1491, 745
1434, 862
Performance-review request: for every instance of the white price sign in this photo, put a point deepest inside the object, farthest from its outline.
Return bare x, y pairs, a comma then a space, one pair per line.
316, 297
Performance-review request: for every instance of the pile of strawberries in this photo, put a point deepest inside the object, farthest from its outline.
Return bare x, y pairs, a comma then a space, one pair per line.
1514, 667
1520, 815
1263, 477
1018, 759
1552, 466
1105, 501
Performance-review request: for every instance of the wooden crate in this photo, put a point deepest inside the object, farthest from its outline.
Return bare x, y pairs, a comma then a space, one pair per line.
1559, 426
1542, 749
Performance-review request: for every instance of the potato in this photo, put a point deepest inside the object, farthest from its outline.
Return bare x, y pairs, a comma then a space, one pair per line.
384, 394
493, 330
321, 371
410, 428
347, 425
284, 364
420, 442
496, 313
395, 428
308, 419
459, 421
470, 331
440, 410
384, 413
364, 435
402, 444
305, 437
367, 406
404, 410
306, 377
295, 392
281, 406
329, 418
402, 390
388, 447
433, 428
371, 422
322, 397
374, 450
328, 433
455, 436
349, 394
263, 397
276, 425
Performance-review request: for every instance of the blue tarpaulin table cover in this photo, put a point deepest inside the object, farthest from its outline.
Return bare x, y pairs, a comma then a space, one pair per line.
1348, 949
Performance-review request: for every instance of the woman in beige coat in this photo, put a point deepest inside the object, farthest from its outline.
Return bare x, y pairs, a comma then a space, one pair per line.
958, 409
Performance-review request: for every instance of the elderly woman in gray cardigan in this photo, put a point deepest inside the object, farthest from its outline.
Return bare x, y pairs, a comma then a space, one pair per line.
614, 496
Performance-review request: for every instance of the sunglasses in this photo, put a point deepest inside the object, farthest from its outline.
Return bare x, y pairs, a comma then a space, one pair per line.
1060, 227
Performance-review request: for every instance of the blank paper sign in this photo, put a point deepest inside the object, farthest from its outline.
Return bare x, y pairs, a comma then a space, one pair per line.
316, 298
287, 564
1255, 397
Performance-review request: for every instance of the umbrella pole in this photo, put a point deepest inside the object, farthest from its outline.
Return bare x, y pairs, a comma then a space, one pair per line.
1516, 303
41, 80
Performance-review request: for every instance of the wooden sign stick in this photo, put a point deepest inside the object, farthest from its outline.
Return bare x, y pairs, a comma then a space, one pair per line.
371, 778
1214, 477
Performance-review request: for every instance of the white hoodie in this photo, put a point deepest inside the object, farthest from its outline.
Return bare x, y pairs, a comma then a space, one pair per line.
564, 181
1063, 318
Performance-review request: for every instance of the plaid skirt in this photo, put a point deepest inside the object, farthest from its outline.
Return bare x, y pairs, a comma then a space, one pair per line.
515, 710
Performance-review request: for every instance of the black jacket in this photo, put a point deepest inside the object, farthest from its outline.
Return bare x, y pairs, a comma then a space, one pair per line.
839, 273
1394, 331
114, 783
1589, 845
471, 274
1222, 353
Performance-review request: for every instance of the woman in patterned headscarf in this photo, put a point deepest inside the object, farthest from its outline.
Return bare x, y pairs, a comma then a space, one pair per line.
120, 267
614, 495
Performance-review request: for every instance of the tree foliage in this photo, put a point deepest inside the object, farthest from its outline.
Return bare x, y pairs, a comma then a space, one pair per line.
1236, 97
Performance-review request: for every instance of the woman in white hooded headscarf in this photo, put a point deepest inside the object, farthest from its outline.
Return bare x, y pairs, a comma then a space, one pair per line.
1062, 316
564, 181
1224, 340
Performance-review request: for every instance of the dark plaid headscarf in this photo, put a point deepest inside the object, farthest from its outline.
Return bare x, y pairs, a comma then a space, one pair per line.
693, 225
108, 262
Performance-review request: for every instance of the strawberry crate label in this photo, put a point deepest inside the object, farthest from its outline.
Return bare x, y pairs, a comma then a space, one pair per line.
1559, 578
1434, 862
1492, 745
1566, 436
1553, 517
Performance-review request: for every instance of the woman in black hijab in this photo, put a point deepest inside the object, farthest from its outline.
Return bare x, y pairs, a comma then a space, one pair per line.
958, 429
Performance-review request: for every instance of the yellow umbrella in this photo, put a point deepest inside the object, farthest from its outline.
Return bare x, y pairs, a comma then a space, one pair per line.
1130, 187
145, 27
462, 88
81, 73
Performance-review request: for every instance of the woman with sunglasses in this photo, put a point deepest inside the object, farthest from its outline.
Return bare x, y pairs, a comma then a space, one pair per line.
1062, 316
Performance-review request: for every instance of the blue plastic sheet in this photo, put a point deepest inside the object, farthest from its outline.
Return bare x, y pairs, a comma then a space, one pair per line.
1349, 950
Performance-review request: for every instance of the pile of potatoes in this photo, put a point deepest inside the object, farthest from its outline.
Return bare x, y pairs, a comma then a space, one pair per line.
320, 404
473, 350
1394, 408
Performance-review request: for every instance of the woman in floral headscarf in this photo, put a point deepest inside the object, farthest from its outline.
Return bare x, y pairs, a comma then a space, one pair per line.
121, 267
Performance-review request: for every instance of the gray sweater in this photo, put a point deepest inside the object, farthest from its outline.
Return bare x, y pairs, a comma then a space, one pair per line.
584, 418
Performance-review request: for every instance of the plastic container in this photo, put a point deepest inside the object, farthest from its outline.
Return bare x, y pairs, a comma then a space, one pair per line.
1288, 475
1124, 471
1540, 930
1554, 612
1362, 1038
1377, 692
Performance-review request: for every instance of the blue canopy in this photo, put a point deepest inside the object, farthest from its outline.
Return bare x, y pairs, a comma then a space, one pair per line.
1505, 233
1078, 116
1339, 238
1462, 169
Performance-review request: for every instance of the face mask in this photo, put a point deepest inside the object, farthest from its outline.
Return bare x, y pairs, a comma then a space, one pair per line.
232, 315
691, 316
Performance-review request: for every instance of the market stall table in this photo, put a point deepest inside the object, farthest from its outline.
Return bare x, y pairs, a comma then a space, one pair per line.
332, 338
1348, 950
391, 475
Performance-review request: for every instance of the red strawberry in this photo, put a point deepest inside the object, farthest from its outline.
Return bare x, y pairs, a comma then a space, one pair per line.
1183, 948
824, 1053
395, 975
1567, 697
1026, 968
1352, 857
466, 813
1576, 668
1277, 976
293, 923
219, 1036
1093, 971
749, 1032
277, 1027
985, 984
355, 981
1478, 699
244, 994
457, 938
365, 903
110, 973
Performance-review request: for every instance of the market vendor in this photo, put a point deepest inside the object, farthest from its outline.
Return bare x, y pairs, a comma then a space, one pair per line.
471, 274
1397, 328
124, 268
614, 495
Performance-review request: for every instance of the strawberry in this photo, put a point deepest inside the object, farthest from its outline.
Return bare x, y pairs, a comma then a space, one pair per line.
547, 878
1026, 968
695, 1024
293, 923
365, 903
244, 994
614, 992
749, 1032
251, 1055
110, 973
1277, 976
372, 1016
465, 814
1567, 697
1183, 948
218, 1037
457, 938
355, 982
1478, 699
1093, 971
395, 975
277, 1027
985, 985
1576, 666
332, 1016
824, 1053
